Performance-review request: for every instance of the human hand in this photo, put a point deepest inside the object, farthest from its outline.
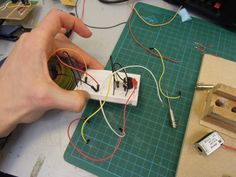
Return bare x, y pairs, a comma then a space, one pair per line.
27, 91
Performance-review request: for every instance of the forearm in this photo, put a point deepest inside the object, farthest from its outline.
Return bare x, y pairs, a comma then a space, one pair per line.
27, 90
8, 117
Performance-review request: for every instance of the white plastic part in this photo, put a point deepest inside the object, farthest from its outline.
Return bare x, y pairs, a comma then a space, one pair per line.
209, 143
103, 77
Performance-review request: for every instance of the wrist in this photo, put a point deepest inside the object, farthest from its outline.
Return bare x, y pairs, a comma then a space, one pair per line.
8, 124
3, 141
8, 118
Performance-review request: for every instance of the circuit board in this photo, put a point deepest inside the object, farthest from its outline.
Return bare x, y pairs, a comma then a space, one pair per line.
151, 146
16, 11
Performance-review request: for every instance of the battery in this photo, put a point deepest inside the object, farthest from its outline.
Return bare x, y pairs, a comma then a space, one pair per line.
209, 143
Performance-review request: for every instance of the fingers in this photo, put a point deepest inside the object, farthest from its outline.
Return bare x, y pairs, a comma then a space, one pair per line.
62, 43
69, 100
56, 20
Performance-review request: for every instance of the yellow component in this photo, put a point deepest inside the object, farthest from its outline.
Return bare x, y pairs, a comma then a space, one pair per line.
68, 2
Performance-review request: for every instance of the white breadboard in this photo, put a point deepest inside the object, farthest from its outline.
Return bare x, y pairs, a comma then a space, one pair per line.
103, 77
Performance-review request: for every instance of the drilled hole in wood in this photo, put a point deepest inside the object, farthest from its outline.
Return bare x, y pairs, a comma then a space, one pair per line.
233, 109
219, 103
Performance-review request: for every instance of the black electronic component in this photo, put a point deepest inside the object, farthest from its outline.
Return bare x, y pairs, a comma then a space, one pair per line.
12, 32
117, 84
220, 11
26, 2
14, 1
128, 83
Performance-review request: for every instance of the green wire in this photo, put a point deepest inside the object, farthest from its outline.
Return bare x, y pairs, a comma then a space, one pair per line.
162, 74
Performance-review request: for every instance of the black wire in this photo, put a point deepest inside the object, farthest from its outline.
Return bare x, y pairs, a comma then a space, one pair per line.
70, 62
122, 69
96, 27
105, 27
79, 79
114, 78
112, 66
126, 76
114, 69
112, 1
86, 83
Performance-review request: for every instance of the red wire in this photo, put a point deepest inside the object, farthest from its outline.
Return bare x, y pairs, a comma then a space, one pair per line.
83, 10
119, 140
141, 45
229, 147
79, 70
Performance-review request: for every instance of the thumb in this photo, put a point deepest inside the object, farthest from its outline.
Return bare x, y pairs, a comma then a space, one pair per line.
69, 100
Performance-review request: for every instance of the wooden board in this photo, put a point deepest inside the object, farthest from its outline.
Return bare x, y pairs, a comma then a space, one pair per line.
222, 162
219, 110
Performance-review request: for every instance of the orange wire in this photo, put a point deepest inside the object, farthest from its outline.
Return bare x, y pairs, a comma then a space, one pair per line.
118, 143
63, 63
71, 50
79, 70
83, 10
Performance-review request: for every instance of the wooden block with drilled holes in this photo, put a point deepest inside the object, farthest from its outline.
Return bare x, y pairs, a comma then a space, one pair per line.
220, 163
220, 110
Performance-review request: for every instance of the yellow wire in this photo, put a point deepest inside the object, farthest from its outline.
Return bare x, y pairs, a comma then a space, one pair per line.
154, 25
110, 79
109, 84
159, 81
19, 5
83, 125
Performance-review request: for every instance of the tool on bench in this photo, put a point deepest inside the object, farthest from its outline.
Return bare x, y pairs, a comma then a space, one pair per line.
172, 116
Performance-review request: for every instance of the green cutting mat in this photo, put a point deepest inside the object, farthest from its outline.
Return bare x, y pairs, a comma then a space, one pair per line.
151, 147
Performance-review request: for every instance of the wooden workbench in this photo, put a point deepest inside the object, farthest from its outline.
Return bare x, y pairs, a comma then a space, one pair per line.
220, 163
